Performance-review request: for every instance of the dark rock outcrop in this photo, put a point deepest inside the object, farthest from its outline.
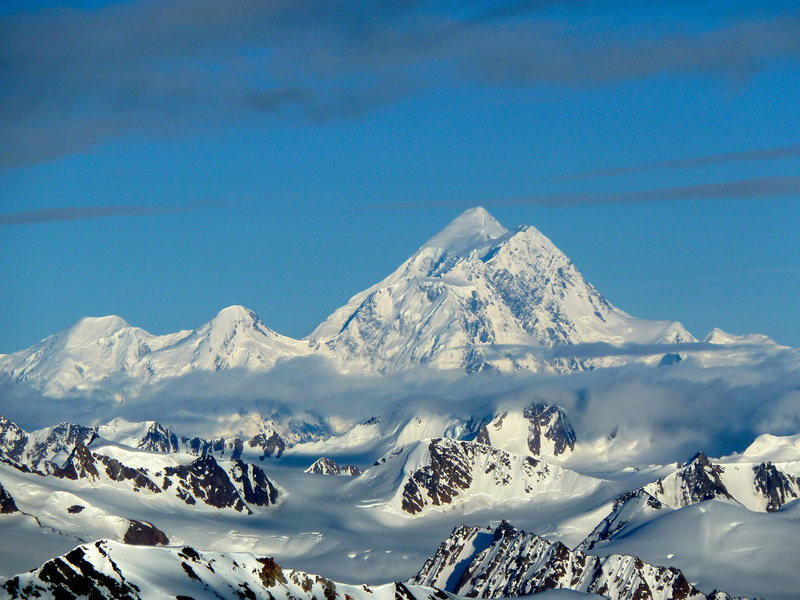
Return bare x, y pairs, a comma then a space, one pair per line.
205, 480
7, 504
144, 533
549, 431
270, 444
328, 466
549, 422
776, 486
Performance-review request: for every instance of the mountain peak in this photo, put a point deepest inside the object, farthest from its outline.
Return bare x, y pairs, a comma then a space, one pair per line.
97, 327
236, 314
105, 321
473, 227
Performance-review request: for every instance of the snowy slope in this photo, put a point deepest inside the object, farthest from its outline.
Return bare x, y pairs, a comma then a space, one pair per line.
772, 448
439, 473
234, 338
89, 351
537, 429
719, 544
473, 285
758, 486
115, 571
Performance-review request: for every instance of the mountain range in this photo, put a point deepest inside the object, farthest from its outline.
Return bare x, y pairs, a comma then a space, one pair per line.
406, 452
475, 297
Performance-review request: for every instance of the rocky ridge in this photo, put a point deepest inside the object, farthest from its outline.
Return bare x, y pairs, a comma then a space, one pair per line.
230, 483
481, 562
113, 571
328, 466
440, 472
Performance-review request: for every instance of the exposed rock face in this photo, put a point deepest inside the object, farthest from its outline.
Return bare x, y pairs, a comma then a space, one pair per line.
271, 444
508, 562
205, 480
219, 447
625, 510
538, 429
233, 484
158, 438
253, 484
448, 473
777, 487
38, 449
442, 471
699, 480
549, 422
81, 464
143, 533
13, 440
328, 466
7, 504
161, 439
758, 486
109, 570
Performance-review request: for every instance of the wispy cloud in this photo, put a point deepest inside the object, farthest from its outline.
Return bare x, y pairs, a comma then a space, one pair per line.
761, 188
74, 78
78, 213
697, 161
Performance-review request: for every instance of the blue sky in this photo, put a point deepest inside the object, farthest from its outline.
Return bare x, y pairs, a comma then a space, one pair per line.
284, 157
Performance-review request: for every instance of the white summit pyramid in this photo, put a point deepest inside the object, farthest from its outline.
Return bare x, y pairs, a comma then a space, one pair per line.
475, 296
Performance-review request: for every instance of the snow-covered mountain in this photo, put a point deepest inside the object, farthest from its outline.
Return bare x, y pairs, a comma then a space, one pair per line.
506, 562
140, 483
46, 449
749, 480
91, 350
478, 296
760, 486
96, 350
110, 570
443, 472
234, 338
536, 429
327, 466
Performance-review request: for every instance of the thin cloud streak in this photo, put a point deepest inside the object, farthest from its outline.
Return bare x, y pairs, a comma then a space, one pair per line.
697, 161
762, 188
80, 213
